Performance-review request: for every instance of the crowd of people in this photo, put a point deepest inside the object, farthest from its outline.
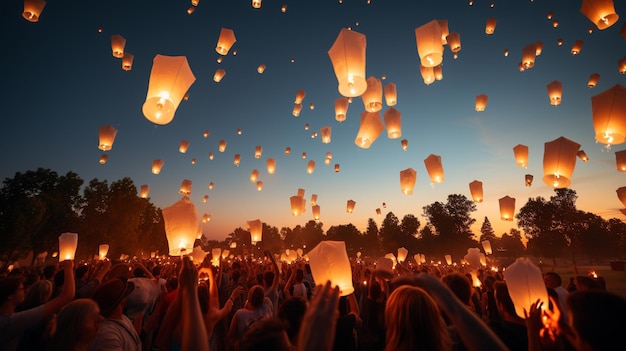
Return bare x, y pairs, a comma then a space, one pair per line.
261, 304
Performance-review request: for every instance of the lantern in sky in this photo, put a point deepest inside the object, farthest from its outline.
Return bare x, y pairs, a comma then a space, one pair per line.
316, 212
378, 212
445, 31
103, 159
582, 155
205, 198
300, 94
578, 45
609, 115
434, 168
68, 242
261, 68
236, 159
211, 156
298, 205
621, 65
103, 250
106, 137
428, 74
297, 108
256, 4
555, 91
271, 165
170, 78
600, 12
507, 208
429, 44
254, 175
348, 58
144, 191
310, 167
476, 189
181, 226
184, 145
621, 194
191, 9
370, 128
341, 109
156, 166
283, 8
117, 45
373, 96
593, 80
313, 199
620, 160
490, 26
326, 132
33, 9
350, 206
438, 72
402, 253
407, 180
218, 75
538, 48
336, 168
185, 187
222, 146
559, 160
528, 180
487, 247
127, 61
521, 155
405, 144
391, 95
393, 123
329, 262
287, 150
258, 151
211, 185
225, 41
448, 259
528, 56
481, 102
454, 41
256, 231
525, 283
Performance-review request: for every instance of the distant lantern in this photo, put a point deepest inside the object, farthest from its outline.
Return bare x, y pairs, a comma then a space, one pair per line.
559, 160
103, 159
297, 108
402, 253
490, 26
256, 4
620, 160
341, 109
370, 128
476, 189
538, 48
306, 126
206, 218
181, 226
348, 58
507, 208
211, 156
218, 75
621, 65
237, 159
300, 94
283, 8
526, 286
117, 45
429, 44
298, 204
373, 96
393, 123
621, 195
448, 259
222, 146
239, 131
454, 41
127, 61
205, 198
310, 167
211, 185
156, 166
578, 45
600, 12
144, 191
254, 175
609, 115
329, 262
550, 15
350, 206
191, 9
593, 80
33, 9
438, 72
506, 52
195, 2
271, 165
225, 41
184, 145
378, 213
258, 151
582, 155
529, 53
287, 150
407, 180
487, 247
326, 133
68, 242
301, 192
528, 180
170, 78
559, 42
481, 102
391, 96
106, 137
185, 187
405, 144
313, 199
304, 155
103, 250
555, 91
434, 168
521, 155
316, 212
328, 158
261, 68
555, 23
206, 134
336, 168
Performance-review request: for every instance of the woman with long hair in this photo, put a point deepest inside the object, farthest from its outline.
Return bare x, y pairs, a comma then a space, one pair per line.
76, 326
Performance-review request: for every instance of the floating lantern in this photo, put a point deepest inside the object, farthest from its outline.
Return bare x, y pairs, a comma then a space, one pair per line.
348, 58
370, 128
184, 145
117, 45
378, 212
454, 41
261, 68
211, 156
336, 168
103, 250
211, 185
578, 45
68, 242
481, 102
538, 48
373, 96
407, 180
609, 115
216, 255
258, 151
621, 65
304, 155
528, 180
271, 165
218, 75
127, 61
490, 26
144, 191
33, 9
106, 137
445, 31
529, 52
256, 4
487, 247
438, 72
393, 123
222, 146
476, 189
621, 194
620, 160
559, 160
428, 74
526, 286
341, 109
326, 132
103, 159
225, 41
391, 95
429, 45
298, 205
600, 12
205, 198
156, 166
191, 9
316, 212
254, 175
329, 262
402, 253
170, 78
448, 259
555, 91
582, 155
350, 206
434, 168
555, 23
287, 150
297, 108
521, 155
506, 52
313, 199
237, 159
507, 208
593, 80
185, 187
405, 144
300, 94
283, 8
181, 226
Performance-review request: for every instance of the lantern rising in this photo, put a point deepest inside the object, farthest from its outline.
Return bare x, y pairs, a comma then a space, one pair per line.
555, 91
620, 160
256, 231
156, 166
428, 74
316, 212
487, 247
407, 180
103, 159
528, 56
600, 12
68, 242
454, 41
127, 61
405, 144
490, 26
117, 45
225, 41
185, 187
578, 45
528, 180
402, 253
582, 155
373, 96
170, 78
103, 250
609, 115
348, 58
391, 95
254, 175
144, 191
429, 44
107, 137
326, 132
476, 189
434, 168
298, 205
621, 194
271, 165
341, 109
559, 160
218, 75
184, 145
525, 283
521, 155
393, 123
370, 128
300, 94
222, 146
329, 262
350, 206
181, 226
593, 80
507, 208
481, 102
33, 9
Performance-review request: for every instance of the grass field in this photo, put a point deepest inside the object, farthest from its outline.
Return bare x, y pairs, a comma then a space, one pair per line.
615, 280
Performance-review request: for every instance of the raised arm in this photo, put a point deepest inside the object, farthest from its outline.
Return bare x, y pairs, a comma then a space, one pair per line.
275, 269
67, 292
191, 314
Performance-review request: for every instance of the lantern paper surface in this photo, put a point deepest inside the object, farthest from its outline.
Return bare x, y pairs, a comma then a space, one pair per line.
68, 242
577, 47
555, 92
429, 44
103, 249
407, 180
454, 41
391, 95
185, 187
490, 26
347, 55
104, 159
524, 281
528, 180
481, 102
582, 155
559, 160
107, 137
326, 133
117, 45
350, 206
329, 262
593, 79
487, 247
370, 128
298, 204
402, 253
300, 94
507, 208
258, 151
143, 193
476, 189
271, 165
256, 230
600, 12
521, 155
156, 166
434, 167
127, 61
33, 9
373, 96
609, 115
621, 194
341, 109
254, 175
225, 41
316, 212
620, 160
184, 145
181, 226
448, 259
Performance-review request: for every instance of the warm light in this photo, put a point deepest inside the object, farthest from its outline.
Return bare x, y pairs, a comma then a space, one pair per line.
487, 247
350, 206
476, 189
329, 262
156, 166
434, 167
144, 191
559, 160
341, 109
256, 4
127, 61
521, 155
68, 242
600, 12
582, 155
609, 115
117, 45
391, 95
326, 133
271, 165
181, 226
185, 187
222, 146
261, 68
103, 249
316, 212
481, 102
593, 80
33, 9
297, 108
490, 26
219, 74
258, 151
525, 284
107, 137
507, 208
254, 175
407, 180
225, 41
393, 123
373, 96
405, 144
429, 45
347, 55
555, 91
370, 128
103, 159
184, 145
578, 45
300, 94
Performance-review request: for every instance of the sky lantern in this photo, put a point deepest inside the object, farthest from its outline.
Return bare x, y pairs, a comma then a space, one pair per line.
428, 74
621, 65
528, 180
287, 150
448, 259
300, 94
476, 189
593, 80
620, 160
271, 165
103, 159
538, 48
337, 168
348, 58
405, 144
144, 191
256, 4
370, 128
206, 134
211, 156
373, 96
438, 72
326, 132
350, 206
555, 91
621, 194
225, 41
429, 44
521, 155
117, 45
254, 175
298, 204
297, 108
219, 74
506, 52
609, 115
259, 185
127, 61
445, 31
316, 212
329, 262
559, 160
582, 155
237, 159
68, 242
304, 155
222, 146
211, 185
393, 123
507, 208
258, 151
434, 168
261, 68
205, 198
33, 9
206, 218
487, 247
529, 52
454, 42
391, 95
402, 253
185, 187
106, 136
310, 167
103, 250
490, 26
407, 180
170, 78
191, 9
181, 226
600, 12
156, 166
481, 102
378, 213
525, 284
283, 8
341, 109
184, 145
578, 45
313, 199
195, 2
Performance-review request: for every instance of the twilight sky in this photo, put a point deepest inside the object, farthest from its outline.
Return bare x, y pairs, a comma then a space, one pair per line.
61, 83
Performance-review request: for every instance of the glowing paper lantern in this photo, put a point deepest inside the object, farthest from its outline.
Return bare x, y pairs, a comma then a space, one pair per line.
528, 180
117, 45
593, 80
348, 58
525, 283
434, 168
578, 45
300, 94
225, 41
205, 198
448, 259
298, 205
185, 187
222, 146
559, 160
258, 151
103, 159
428, 74
170, 78
620, 160
402, 253
600, 12
256, 230
370, 128
341, 109
326, 132
184, 145
216, 254
145, 190
621, 195
476, 189
378, 211
621, 65
490, 26
407, 180
313, 199
283, 8
350, 206
481, 102
271, 165
405, 144
211, 185
181, 226
582, 155
438, 72
127, 61
218, 75
329, 262
297, 108
429, 45
287, 150
316, 212
391, 95
609, 115
211, 156
103, 250
106, 137
254, 175
336, 168
487, 247
256, 4
33, 9
373, 96
156, 166
68, 242
521, 155
529, 52
555, 91
261, 68
393, 123
454, 41
445, 31
507, 208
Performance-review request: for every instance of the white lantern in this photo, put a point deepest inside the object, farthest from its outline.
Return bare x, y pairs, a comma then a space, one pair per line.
525, 284
181, 226
329, 262
68, 242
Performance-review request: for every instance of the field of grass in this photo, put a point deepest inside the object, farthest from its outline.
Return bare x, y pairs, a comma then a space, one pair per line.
615, 280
